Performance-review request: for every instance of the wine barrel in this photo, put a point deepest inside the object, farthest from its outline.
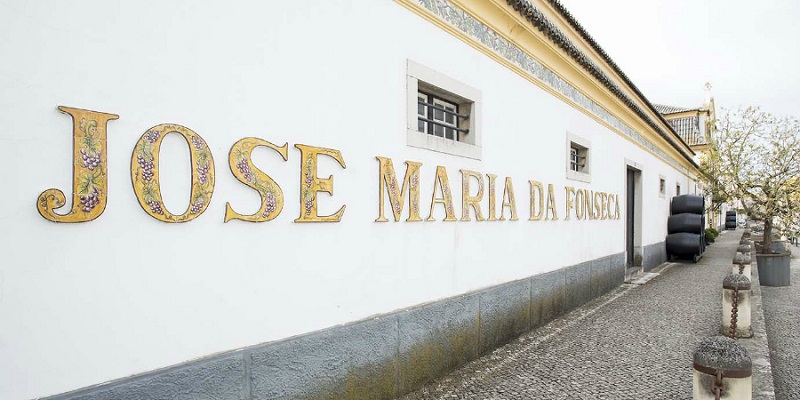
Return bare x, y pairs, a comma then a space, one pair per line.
684, 244
729, 213
687, 203
685, 222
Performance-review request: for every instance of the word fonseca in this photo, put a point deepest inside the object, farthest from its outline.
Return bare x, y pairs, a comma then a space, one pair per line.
90, 183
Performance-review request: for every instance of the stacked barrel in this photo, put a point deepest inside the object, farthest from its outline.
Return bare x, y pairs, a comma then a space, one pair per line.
686, 236
730, 220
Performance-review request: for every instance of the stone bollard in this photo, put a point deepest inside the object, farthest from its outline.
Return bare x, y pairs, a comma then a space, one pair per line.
745, 241
744, 248
736, 306
742, 265
722, 369
746, 234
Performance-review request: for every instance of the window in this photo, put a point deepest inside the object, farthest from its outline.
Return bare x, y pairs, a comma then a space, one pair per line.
662, 186
578, 158
677, 189
443, 114
438, 117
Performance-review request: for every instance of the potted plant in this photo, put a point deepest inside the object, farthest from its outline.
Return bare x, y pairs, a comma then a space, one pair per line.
755, 160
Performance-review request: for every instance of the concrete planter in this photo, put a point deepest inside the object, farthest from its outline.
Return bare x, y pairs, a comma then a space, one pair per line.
778, 246
773, 269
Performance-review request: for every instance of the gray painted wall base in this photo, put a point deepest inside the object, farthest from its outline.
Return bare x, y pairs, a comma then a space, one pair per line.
378, 358
654, 255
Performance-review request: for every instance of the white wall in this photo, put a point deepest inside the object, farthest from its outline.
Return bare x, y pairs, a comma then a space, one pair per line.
84, 303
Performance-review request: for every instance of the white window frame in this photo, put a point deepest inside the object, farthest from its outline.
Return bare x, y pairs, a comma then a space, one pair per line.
585, 174
424, 125
468, 99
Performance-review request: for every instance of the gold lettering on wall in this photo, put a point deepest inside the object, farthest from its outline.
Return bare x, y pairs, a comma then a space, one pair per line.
580, 207
597, 206
589, 201
537, 201
603, 202
146, 179
570, 191
467, 200
492, 200
616, 208
89, 170
388, 179
551, 204
242, 167
509, 201
311, 184
446, 200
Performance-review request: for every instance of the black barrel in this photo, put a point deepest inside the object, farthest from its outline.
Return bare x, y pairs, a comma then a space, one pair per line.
729, 213
730, 222
687, 203
685, 222
684, 244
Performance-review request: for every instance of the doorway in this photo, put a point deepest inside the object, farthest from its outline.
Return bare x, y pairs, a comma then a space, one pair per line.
633, 220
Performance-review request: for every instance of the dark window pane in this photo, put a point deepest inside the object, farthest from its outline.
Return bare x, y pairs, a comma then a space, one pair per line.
450, 133
421, 126
450, 118
438, 115
438, 130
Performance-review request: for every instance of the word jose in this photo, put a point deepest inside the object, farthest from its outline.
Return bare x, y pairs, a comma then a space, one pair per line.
90, 175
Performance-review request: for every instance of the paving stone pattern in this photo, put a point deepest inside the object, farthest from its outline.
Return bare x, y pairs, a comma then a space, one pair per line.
636, 342
782, 314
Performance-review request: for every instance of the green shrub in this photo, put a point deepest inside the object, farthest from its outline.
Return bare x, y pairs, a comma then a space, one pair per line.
712, 233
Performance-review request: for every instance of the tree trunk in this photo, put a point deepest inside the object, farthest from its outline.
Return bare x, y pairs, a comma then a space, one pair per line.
766, 247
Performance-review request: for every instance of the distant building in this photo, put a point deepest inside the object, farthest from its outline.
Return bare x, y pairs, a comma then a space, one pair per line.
696, 126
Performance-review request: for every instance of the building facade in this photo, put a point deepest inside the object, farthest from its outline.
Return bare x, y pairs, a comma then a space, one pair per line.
314, 199
696, 126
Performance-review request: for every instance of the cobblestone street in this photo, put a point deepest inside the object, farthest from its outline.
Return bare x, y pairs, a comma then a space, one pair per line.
782, 314
633, 343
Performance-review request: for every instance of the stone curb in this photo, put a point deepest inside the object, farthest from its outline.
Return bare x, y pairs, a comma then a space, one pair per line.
758, 345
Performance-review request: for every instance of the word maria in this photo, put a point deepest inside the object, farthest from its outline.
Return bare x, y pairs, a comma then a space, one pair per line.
582, 204
90, 183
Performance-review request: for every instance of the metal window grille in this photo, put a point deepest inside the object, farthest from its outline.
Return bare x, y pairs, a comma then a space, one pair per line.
573, 159
439, 117
662, 186
577, 159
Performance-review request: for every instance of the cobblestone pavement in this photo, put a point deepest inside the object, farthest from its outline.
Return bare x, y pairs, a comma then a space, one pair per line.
782, 314
633, 343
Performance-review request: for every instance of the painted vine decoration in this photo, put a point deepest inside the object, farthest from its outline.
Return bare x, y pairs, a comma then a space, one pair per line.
242, 167
308, 192
145, 176
90, 187
89, 175
265, 188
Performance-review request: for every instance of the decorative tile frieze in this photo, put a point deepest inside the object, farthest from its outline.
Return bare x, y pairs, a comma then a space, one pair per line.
464, 22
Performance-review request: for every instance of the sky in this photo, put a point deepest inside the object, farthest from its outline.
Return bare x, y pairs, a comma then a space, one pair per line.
749, 51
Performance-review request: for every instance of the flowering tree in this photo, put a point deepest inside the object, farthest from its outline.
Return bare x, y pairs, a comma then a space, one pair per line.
755, 158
